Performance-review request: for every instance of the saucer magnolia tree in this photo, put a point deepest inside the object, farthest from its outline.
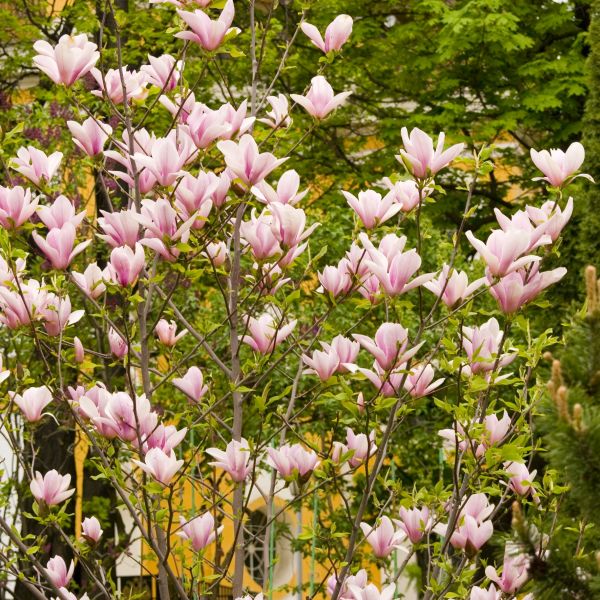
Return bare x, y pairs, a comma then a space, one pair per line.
198, 340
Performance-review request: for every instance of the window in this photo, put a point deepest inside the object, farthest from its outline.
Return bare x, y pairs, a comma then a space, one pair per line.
255, 544
256, 529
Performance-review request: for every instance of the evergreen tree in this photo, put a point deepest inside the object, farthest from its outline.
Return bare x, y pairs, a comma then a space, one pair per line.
570, 428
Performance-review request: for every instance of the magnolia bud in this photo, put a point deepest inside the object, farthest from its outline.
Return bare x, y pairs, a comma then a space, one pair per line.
79, 352
548, 356
360, 403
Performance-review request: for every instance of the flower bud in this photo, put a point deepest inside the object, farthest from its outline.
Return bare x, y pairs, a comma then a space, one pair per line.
79, 351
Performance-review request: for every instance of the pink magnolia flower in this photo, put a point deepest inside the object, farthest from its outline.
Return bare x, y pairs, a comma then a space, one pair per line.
557, 166
120, 228
142, 141
520, 287
58, 245
91, 281
200, 530
371, 592
90, 136
21, 308
162, 72
392, 266
419, 381
234, 119
68, 61
206, 125
192, 384
478, 506
91, 530
201, 3
118, 346
235, 459
514, 572
495, 428
521, 222
258, 234
278, 116
415, 522
60, 212
389, 347
335, 280
473, 528
268, 278
16, 206
371, 208
32, 402
286, 193
160, 465
320, 100
165, 437
4, 373
355, 262
245, 160
346, 350
336, 34
471, 535
194, 196
267, 332
358, 581
454, 289
362, 446
384, 538
503, 250
35, 164
420, 158
116, 415
166, 160
406, 193
323, 363
217, 253
388, 383
67, 595
551, 217
219, 196
481, 345
479, 593
166, 332
78, 350
111, 84
181, 106
57, 314
125, 264
56, 569
7, 275
289, 224
207, 33
52, 488
521, 480
162, 228
293, 461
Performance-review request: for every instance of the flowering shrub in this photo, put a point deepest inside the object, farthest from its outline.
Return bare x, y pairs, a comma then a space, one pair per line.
196, 338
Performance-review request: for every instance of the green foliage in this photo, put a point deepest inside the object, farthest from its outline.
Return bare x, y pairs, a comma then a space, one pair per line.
569, 424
